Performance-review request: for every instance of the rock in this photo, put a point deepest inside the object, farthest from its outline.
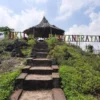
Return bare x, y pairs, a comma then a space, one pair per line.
10, 47
16, 52
22, 43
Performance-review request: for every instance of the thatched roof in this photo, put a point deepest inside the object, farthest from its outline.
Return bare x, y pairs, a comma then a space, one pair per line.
43, 29
44, 23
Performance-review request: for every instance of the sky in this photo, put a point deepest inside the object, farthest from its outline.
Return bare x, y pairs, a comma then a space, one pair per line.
74, 16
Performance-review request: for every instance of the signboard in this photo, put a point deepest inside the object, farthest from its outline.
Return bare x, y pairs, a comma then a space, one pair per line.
82, 38
15, 35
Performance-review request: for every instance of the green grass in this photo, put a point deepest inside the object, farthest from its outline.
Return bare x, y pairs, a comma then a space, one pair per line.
27, 51
79, 82
7, 84
79, 70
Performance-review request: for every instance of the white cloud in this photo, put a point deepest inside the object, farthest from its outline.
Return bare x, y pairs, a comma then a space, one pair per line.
41, 1
89, 10
19, 22
35, 1
92, 29
63, 16
68, 7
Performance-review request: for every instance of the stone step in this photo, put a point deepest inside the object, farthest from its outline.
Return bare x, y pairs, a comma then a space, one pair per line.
40, 50
54, 94
41, 43
41, 70
41, 46
56, 80
39, 62
55, 75
58, 94
21, 76
25, 69
16, 95
36, 82
19, 81
55, 68
41, 54
37, 95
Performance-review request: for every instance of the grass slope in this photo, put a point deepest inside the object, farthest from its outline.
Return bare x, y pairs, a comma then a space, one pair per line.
79, 70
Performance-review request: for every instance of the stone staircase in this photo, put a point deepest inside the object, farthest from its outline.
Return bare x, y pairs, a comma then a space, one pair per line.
40, 79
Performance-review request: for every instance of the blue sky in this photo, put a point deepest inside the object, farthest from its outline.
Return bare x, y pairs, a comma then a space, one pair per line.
74, 16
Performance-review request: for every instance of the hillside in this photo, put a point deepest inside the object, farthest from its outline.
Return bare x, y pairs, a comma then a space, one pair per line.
10, 65
79, 70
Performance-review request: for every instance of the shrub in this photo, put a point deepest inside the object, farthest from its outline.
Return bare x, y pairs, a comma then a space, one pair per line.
59, 53
79, 80
83, 97
27, 51
31, 42
7, 84
78, 70
52, 42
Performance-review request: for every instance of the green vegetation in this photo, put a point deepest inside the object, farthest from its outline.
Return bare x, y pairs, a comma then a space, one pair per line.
80, 82
8, 69
3, 45
7, 45
90, 48
7, 84
79, 71
27, 50
31, 42
6, 30
52, 42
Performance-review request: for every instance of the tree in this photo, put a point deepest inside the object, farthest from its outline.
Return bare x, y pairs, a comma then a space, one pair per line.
6, 30
90, 48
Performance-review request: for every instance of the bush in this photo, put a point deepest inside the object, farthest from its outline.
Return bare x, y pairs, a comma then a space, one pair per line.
78, 70
7, 84
6, 42
31, 42
27, 51
83, 97
59, 53
79, 80
52, 42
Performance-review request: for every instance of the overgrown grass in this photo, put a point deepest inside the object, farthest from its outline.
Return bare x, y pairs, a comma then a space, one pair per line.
79, 71
27, 51
52, 42
3, 44
7, 79
79, 83
7, 84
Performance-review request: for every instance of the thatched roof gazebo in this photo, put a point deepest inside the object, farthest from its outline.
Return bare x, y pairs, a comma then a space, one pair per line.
43, 29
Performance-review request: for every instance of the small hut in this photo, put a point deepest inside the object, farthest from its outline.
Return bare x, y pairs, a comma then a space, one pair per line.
43, 29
